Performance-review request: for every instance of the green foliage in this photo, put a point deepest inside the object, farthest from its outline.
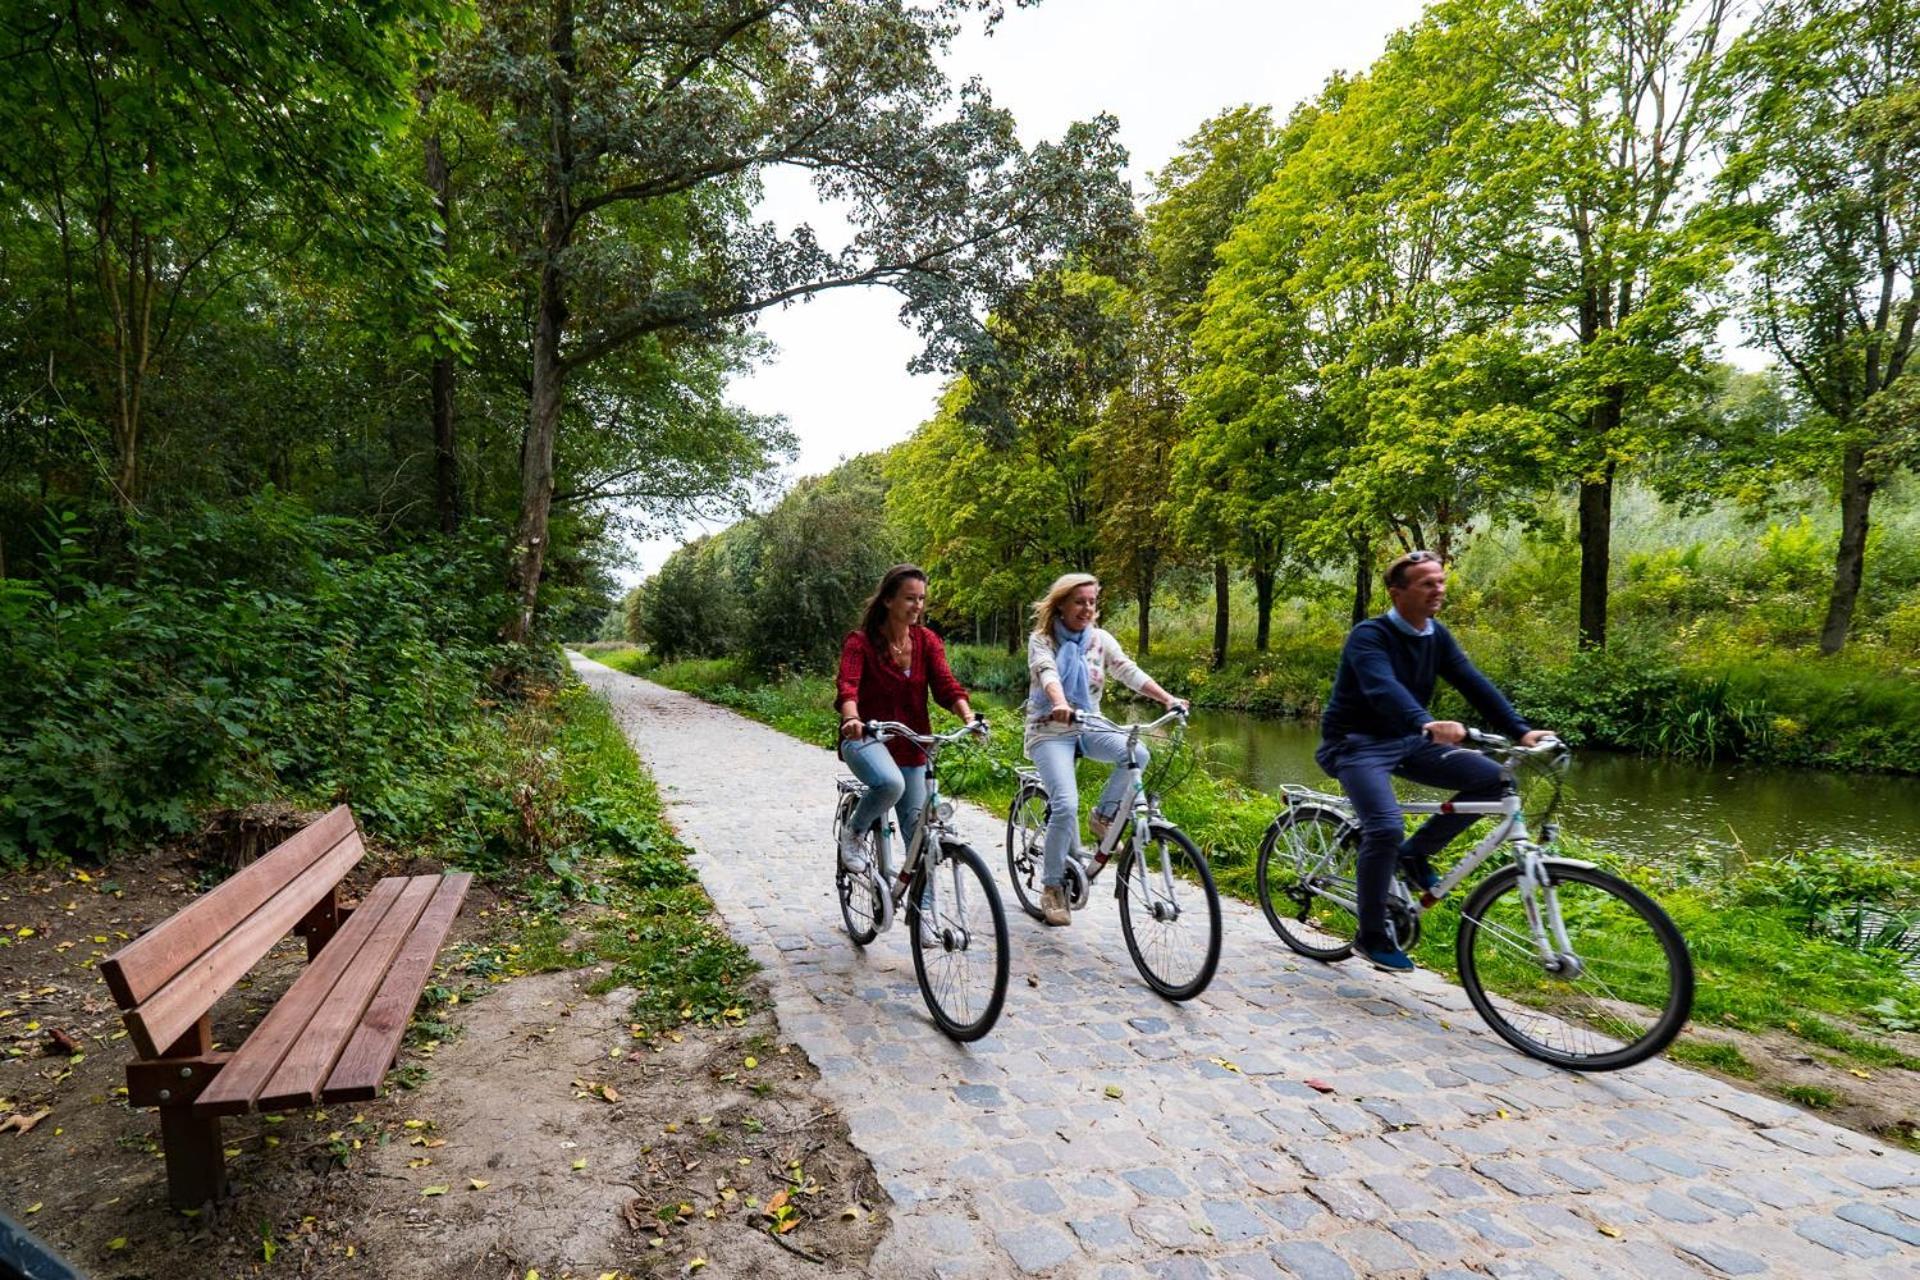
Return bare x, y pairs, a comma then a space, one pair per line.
257, 651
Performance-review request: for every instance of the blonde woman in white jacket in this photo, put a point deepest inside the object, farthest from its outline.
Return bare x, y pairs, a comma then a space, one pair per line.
1069, 661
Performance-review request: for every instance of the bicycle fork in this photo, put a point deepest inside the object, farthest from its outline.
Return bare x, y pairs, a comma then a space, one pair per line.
1542, 906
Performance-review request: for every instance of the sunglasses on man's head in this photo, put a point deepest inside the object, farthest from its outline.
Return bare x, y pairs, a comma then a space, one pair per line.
1397, 574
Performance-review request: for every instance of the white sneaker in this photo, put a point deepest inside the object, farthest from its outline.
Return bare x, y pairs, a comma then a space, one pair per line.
853, 853
930, 939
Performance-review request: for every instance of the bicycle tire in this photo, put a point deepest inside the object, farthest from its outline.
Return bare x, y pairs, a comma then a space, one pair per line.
1505, 955
1310, 923
1027, 846
1169, 986
862, 913
960, 935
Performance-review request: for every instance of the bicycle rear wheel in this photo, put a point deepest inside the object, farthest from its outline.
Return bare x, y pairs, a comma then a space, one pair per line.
1170, 914
1620, 997
1027, 846
863, 908
1305, 877
961, 956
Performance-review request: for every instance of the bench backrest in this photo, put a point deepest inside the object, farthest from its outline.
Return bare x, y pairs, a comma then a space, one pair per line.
169, 977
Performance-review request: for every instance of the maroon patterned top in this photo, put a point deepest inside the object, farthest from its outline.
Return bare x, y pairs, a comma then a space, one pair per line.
882, 691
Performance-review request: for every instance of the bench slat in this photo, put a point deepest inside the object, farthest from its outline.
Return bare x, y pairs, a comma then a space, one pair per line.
146, 964
376, 1042
176, 1006
246, 1073
304, 1070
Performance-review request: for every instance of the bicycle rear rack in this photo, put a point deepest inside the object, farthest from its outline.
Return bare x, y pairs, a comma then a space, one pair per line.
1296, 795
1026, 774
850, 786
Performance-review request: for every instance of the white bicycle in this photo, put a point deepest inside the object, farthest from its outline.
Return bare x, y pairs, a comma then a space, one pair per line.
956, 926
1567, 963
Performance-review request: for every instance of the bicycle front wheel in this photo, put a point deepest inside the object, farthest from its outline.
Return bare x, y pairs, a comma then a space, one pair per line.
1617, 996
1170, 914
960, 950
1306, 879
1027, 846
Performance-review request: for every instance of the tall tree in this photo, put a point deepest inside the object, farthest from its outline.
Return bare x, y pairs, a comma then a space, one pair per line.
630, 112
1198, 199
1590, 218
166, 149
1826, 161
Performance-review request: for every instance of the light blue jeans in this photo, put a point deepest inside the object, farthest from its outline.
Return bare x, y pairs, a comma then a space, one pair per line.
1054, 757
888, 784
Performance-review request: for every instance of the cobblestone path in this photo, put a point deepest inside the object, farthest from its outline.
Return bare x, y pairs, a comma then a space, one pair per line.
1439, 1152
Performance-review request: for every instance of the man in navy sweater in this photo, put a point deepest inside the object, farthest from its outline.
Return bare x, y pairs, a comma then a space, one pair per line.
1376, 724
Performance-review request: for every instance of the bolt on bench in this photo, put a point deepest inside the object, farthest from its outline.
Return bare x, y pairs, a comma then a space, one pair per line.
331, 1037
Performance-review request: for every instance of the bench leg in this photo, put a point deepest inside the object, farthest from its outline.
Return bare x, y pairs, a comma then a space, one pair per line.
196, 1166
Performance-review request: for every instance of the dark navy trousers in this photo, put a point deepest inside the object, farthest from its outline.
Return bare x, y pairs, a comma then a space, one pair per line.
1365, 766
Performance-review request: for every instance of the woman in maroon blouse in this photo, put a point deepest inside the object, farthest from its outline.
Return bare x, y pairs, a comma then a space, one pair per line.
887, 667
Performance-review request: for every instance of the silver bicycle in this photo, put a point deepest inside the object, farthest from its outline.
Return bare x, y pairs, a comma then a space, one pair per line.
1169, 908
1568, 963
956, 927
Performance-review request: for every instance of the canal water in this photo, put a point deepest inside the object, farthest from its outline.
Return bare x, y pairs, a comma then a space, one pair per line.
1633, 805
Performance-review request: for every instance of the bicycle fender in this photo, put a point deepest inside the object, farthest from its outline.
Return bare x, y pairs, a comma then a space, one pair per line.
1570, 862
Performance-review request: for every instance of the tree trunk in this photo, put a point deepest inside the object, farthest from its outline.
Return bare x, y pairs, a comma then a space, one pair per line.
1362, 580
1849, 562
1219, 614
1596, 540
1146, 613
1263, 597
543, 425
1013, 628
446, 466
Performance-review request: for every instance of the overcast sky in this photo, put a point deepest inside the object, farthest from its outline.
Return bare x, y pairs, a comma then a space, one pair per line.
1160, 66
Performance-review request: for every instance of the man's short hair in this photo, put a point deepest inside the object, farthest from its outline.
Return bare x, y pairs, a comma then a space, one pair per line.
1397, 571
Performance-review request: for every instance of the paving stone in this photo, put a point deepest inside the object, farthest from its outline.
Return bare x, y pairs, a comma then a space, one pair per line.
1723, 1258
1875, 1218
1618, 1164
1311, 1260
1677, 1208
1883, 1175
1579, 1177
1233, 1221
1168, 1228
1432, 1240
1843, 1237
1455, 1185
1156, 1182
1374, 1250
1400, 1192
1661, 1158
1179, 1268
1103, 1233
1034, 1196
1725, 1201
1293, 1211
1345, 1200
1769, 1190
1492, 1230
1038, 1247
1249, 1266
1515, 1177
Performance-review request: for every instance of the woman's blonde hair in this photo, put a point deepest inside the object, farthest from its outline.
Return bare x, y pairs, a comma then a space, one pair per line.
1047, 607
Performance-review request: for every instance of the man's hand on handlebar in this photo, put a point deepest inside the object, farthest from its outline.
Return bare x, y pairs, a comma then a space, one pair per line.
1536, 737
1449, 733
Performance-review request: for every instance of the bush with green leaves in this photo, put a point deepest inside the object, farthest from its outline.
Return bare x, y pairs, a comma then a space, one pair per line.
225, 656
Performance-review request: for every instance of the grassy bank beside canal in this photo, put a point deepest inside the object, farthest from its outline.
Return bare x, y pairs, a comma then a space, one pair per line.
1785, 1001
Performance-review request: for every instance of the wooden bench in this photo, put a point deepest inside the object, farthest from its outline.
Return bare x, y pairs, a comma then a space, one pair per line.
330, 1038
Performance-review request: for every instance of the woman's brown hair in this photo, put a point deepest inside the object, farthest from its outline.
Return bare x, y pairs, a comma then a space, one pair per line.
876, 611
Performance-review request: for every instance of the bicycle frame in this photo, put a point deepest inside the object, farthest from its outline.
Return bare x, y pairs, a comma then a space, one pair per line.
933, 818
1549, 935
1143, 812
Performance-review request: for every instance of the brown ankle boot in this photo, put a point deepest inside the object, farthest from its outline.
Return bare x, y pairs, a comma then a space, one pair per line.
1053, 905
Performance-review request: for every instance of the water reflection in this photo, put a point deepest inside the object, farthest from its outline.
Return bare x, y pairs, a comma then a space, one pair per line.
1637, 806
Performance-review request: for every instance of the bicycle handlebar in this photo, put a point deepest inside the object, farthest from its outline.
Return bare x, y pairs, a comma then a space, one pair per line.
1097, 721
1484, 741
884, 730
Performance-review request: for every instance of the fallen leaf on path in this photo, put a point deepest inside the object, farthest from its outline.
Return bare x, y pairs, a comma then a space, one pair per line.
1114, 1091
433, 1191
1319, 1086
478, 1184
1609, 1231
1223, 1063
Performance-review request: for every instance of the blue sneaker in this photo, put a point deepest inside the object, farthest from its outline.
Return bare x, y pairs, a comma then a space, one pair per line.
1388, 959
1419, 873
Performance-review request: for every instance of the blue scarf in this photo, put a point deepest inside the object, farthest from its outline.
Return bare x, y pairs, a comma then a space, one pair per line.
1070, 657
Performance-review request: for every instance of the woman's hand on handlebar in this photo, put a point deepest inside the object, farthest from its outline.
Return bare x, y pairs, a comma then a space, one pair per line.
1062, 714
852, 729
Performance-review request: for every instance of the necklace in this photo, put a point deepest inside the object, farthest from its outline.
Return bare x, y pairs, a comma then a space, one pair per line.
902, 651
